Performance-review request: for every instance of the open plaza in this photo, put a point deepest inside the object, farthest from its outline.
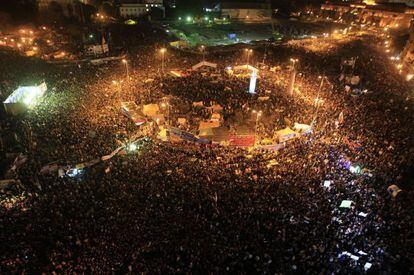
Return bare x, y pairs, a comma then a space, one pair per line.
277, 156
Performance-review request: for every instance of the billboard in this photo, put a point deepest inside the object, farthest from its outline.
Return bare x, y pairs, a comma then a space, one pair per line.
23, 98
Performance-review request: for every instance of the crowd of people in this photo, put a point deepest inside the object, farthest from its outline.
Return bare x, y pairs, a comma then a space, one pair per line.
186, 207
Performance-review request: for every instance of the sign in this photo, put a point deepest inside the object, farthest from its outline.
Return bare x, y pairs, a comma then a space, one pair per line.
345, 204
253, 80
242, 140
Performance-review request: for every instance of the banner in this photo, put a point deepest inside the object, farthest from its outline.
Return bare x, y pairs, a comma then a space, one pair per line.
242, 140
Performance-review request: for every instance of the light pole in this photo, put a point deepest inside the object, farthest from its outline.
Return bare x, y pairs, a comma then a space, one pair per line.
292, 76
248, 52
258, 114
319, 90
317, 100
162, 51
203, 52
126, 66
166, 105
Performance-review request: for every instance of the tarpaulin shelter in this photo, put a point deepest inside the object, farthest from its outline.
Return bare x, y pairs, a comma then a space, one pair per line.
285, 134
215, 117
150, 109
23, 98
204, 64
245, 68
182, 120
216, 108
198, 104
208, 124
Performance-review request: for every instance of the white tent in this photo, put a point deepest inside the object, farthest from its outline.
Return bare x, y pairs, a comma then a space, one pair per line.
285, 134
204, 64
302, 128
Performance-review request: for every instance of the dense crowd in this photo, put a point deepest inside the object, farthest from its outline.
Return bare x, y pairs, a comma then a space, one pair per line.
184, 207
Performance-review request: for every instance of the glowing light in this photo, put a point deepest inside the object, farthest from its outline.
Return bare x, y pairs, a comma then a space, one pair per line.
124, 61
132, 147
189, 18
355, 169
163, 50
28, 95
409, 77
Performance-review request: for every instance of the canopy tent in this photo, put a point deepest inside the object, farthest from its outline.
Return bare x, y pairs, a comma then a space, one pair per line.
24, 97
150, 109
204, 64
302, 128
216, 108
285, 134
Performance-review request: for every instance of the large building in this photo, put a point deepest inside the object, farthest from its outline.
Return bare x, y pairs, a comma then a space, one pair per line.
382, 15
249, 10
409, 3
138, 8
70, 8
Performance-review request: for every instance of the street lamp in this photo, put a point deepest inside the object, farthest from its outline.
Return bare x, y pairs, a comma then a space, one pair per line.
317, 104
248, 52
294, 61
292, 76
258, 115
126, 66
162, 51
203, 51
